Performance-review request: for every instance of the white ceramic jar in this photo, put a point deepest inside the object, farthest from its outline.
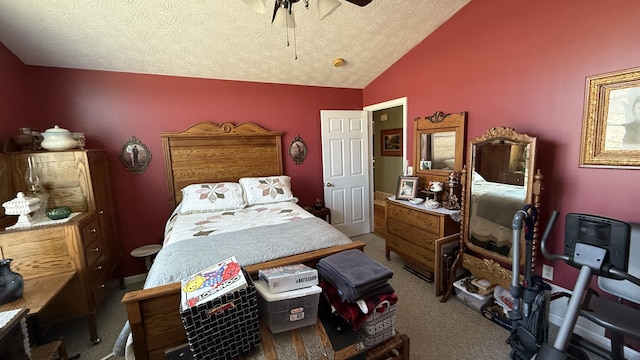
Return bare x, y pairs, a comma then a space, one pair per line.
58, 138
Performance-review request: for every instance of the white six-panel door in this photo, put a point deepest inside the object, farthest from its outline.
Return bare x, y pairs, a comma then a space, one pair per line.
346, 173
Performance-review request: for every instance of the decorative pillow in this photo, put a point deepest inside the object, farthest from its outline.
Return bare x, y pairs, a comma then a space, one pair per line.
199, 198
264, 190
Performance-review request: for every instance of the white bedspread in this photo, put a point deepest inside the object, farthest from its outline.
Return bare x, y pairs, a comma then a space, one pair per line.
197, 225
493, 206
253, 235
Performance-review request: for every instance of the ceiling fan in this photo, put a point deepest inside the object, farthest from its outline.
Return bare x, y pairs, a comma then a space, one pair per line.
283, 9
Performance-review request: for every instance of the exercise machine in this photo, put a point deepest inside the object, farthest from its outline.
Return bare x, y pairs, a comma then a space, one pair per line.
602, 247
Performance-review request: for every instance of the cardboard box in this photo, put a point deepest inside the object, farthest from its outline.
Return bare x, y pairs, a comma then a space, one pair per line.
219, 312
289, 309
289, 277
475, 301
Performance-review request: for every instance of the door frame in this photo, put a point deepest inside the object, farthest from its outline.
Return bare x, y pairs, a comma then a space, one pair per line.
370, 109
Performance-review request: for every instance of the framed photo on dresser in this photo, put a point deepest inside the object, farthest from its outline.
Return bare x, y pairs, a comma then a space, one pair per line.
407, 187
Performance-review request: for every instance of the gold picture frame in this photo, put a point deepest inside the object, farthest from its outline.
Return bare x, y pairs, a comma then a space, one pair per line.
611, 121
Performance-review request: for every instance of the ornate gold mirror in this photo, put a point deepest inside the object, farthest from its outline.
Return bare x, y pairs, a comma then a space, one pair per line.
501, 179
439, 145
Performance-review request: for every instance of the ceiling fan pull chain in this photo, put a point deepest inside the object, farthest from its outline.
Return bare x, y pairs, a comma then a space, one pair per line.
295, 45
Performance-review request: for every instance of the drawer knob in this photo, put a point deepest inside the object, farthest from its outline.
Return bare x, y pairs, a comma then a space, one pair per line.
93, 230
96, 249
101, 286
99, 267
101, 212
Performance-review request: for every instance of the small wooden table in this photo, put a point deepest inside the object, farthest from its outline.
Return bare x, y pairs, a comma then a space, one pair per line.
146, 252
322, 212
38, 293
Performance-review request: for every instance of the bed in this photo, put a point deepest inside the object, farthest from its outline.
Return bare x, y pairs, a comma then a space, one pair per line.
204, 160
492, 208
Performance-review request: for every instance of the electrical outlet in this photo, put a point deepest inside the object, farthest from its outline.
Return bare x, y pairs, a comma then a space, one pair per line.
547, 272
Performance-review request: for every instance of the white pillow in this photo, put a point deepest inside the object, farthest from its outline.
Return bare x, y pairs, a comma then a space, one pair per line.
264, 190
200, 198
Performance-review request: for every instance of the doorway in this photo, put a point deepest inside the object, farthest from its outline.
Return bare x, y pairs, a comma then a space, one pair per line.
385, 169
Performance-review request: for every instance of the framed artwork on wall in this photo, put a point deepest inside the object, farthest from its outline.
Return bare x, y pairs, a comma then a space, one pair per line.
391, 142
135, 156
611, 121
298, 150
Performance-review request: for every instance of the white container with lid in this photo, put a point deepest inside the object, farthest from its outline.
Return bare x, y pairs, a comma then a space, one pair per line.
58, 138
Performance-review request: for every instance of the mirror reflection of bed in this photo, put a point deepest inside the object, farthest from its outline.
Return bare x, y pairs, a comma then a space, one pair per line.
492, 207
500, 179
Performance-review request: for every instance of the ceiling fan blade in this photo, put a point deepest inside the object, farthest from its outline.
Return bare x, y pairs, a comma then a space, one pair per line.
360, 2
276, 6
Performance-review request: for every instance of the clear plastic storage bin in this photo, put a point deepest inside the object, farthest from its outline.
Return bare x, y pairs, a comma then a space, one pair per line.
289, 309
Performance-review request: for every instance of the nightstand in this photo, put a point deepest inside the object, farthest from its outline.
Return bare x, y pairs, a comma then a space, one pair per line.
322, 212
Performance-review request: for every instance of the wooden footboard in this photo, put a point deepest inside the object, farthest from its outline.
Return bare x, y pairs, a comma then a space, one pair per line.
153, 313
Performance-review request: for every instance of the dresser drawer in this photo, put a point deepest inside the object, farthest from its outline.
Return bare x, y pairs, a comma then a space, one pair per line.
419, 219
93, 252
424, 257
100, 289
418, 237
91, 233
96, 270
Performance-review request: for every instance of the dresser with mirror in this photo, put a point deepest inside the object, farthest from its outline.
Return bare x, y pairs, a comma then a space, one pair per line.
499, 179
420, 236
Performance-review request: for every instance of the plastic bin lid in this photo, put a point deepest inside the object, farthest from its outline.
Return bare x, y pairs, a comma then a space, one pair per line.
263, 289
460, 286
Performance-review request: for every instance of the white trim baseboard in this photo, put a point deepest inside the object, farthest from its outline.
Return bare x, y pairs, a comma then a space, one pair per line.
135, 279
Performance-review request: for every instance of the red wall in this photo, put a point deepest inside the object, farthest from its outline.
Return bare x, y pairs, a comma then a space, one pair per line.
523, 65
111, 107
509, 63
13, 102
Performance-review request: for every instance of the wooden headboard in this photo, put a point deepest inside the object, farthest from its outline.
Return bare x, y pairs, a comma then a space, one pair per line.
208, 152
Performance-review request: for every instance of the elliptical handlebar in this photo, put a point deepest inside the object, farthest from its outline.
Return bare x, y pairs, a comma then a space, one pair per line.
625, 275
545, 236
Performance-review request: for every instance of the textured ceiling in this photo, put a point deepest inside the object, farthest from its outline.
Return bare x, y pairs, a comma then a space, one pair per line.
220, 39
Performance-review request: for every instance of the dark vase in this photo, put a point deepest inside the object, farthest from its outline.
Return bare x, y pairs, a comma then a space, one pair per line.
11, 283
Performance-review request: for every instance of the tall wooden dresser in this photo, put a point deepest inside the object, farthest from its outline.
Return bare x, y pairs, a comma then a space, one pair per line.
419, 235
78, 179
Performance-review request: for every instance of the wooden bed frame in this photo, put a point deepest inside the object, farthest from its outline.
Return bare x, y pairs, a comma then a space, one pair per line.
206, 152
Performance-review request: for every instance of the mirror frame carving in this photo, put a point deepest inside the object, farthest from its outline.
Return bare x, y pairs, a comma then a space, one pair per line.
439, 122
481, 262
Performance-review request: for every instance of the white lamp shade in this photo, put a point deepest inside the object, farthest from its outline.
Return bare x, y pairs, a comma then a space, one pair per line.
257, 6
327, 7
284, 19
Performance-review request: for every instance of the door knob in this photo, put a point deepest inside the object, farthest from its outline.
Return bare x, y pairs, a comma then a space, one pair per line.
329, 184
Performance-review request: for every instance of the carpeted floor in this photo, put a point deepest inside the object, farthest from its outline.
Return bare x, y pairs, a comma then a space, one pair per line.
449, 330
111, 316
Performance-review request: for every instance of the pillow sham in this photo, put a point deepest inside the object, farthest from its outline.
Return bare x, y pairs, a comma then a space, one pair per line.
200, 198
264, 190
